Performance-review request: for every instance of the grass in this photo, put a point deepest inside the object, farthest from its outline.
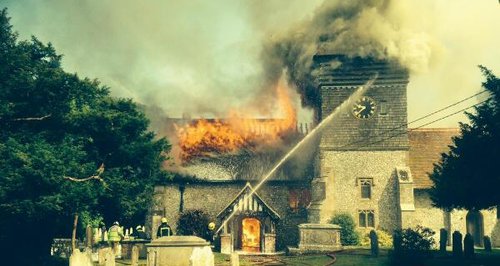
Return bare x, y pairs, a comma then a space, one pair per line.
360, 257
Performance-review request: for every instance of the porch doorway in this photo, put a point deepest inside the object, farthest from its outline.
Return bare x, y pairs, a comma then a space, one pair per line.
475, 227
250, 235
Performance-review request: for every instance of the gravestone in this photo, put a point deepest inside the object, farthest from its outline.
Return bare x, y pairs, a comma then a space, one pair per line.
79, 258
457, 244
374, 243
468, 246
235, 259
135, 256
97, 237
487, 244
202, 256
443, 239
106, 257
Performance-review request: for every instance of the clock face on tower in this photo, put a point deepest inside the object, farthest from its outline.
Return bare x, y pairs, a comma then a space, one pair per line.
364, 107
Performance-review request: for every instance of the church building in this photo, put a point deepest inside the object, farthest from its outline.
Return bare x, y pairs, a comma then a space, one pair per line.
367, 163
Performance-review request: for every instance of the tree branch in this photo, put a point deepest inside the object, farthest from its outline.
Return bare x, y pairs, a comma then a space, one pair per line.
97, 176
32, 118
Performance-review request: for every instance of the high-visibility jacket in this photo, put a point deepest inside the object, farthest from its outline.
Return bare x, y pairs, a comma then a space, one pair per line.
115, 233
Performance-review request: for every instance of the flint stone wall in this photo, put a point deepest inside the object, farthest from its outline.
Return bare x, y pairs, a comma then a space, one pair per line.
216, 196
434, 218
343, 169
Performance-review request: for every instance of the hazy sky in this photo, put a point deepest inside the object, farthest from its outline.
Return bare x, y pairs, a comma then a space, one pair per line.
204, 57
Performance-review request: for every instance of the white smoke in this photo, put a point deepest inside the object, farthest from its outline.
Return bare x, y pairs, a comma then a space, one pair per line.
204, 57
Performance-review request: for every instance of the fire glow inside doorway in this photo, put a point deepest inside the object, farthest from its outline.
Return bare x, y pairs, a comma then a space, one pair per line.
250, 235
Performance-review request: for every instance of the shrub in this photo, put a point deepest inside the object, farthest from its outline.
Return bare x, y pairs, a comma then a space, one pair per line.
412, 246
193, 223
384, 238
348, 234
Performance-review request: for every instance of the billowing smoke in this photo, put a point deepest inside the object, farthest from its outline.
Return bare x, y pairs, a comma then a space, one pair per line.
206, 57
357, 28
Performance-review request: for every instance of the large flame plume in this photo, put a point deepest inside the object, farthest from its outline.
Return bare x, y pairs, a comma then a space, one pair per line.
208, 137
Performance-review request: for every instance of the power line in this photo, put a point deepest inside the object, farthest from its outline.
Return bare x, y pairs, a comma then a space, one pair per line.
416, 120
446, 107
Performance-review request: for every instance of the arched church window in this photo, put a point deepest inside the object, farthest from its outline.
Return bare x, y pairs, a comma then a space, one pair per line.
366, 218
366, 187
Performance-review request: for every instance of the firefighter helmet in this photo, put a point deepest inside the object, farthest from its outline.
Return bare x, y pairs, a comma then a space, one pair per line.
211, 226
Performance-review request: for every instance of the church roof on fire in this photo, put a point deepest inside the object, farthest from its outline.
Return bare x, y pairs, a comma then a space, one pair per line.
426, 146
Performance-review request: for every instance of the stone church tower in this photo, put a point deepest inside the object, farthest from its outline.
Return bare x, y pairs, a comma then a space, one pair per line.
364, 144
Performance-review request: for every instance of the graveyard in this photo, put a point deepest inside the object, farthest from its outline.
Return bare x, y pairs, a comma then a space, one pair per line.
284, 132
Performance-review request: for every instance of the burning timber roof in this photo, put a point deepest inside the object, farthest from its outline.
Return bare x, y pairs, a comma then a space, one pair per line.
247, 166
426, 146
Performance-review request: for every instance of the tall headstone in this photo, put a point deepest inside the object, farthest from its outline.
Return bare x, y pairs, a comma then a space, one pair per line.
374, 243
487, 243
468, 246
443, 239
97, 237
135, 256
89, 236
457, 244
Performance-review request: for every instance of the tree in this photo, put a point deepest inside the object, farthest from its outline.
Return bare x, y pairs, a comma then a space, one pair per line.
58, 129
193, 223
467, 177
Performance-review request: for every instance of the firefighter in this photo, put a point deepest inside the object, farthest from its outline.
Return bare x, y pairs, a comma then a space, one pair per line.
115, 235
210, 232
139, 233
164, 229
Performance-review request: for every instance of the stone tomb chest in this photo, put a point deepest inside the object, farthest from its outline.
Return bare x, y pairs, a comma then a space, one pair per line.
179, 251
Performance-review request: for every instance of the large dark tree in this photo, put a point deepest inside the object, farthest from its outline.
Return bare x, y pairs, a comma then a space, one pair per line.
468, 176
56, 130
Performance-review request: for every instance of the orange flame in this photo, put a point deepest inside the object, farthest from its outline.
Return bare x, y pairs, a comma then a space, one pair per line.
206, 137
